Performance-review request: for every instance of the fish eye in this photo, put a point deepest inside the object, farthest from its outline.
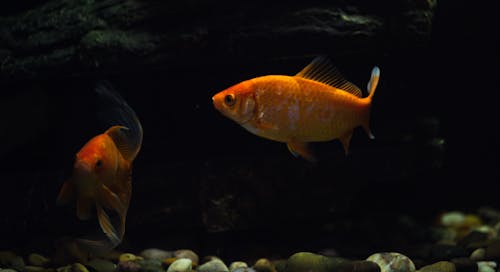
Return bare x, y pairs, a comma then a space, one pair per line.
98, 163
229, 100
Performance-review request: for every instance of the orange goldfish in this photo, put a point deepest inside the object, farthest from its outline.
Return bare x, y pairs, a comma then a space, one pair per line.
315, 105
102, 171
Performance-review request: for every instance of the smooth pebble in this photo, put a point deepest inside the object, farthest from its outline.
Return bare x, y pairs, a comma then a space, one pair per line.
392, 262
181, 265
213, 266
101, 265
187, 253
38, 260
237, 264
156, 253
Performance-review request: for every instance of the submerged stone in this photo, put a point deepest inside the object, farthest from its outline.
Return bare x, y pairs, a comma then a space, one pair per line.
38, 260
306, 261
213, 266
442, 266
392, 262
181, 265
155, 253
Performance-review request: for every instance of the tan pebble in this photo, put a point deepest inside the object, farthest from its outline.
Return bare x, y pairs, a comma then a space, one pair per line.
486, 266
392, 262
129, 257
32, 268
37, 259
237, 264
478, 254
442, 266
169, 261
187, 253
181, 265
78, 267
264, 265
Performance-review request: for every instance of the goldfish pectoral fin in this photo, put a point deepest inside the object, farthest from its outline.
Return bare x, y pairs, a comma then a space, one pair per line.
345, 140
106, 226
83, 207
111, 200
66, 194
301, 149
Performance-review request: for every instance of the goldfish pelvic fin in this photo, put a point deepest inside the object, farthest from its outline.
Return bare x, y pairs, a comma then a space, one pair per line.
322, 70
372, 84
66, 194
83, 207
301, 149
120, 138
345, 140
106, 225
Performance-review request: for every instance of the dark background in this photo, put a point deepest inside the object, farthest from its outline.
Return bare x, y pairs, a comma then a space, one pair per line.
276, 204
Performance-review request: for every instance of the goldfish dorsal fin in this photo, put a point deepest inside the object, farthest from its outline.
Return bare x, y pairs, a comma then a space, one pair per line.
322, 70
122, 142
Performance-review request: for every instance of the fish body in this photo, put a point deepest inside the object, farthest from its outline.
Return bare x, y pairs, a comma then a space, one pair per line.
315, 105
102, 171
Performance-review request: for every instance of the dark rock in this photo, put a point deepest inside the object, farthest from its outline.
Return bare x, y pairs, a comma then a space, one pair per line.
72, 38
493, 251
464, 265
473, 240
442, 266
440, 252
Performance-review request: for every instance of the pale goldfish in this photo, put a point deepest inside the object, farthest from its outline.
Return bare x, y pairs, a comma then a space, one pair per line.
102, 172
317, 104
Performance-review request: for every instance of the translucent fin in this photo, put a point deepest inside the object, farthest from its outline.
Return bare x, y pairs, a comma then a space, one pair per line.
66, 194
117, 112
345, 140
301, 149
322, 70
97, 247
372, 84
83, 207
106, 225
111, 200
122, 141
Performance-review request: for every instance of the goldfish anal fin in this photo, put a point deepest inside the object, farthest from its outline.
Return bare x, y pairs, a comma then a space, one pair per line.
322, 70
66, 194
345, 140
83, 207
106, 226
122, 142
301, 149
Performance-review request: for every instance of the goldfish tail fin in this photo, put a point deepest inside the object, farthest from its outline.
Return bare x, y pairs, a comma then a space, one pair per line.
372, 84
118, 112
107, 227
66, 194
83, 207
